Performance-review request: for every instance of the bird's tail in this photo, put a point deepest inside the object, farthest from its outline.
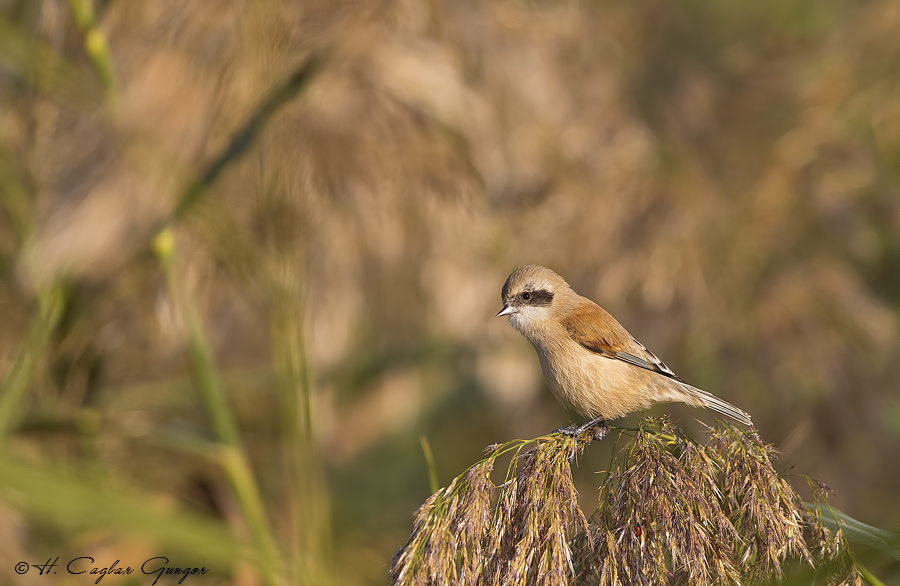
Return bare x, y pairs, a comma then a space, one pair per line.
700, 398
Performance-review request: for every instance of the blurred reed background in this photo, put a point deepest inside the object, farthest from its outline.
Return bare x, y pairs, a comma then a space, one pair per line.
221, 343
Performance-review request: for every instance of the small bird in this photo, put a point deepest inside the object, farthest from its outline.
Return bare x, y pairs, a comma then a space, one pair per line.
591, 363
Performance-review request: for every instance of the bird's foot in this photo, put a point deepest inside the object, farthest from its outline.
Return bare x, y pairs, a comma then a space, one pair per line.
598, 425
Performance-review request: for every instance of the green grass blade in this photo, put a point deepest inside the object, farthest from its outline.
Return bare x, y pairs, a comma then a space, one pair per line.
855, 531
429, 462
868, 575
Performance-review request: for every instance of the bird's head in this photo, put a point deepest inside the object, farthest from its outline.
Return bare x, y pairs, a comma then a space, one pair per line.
532, 299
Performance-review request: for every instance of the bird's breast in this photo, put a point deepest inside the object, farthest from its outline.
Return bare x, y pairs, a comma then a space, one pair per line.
591, 384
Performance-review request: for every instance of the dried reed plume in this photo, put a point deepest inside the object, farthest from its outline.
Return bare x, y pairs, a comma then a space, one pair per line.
671, 511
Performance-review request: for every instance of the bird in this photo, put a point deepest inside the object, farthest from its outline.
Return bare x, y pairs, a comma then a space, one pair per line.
589, 360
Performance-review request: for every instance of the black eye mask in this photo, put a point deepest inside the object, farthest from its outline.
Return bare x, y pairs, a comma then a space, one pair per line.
541, 298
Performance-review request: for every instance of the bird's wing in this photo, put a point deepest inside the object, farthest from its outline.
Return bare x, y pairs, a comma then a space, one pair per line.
599, 332
646, 359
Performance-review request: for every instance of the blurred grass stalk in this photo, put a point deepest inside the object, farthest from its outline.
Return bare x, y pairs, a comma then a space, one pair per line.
52, 74
306, 503
306, 496
51, 303
96, 47
233, 457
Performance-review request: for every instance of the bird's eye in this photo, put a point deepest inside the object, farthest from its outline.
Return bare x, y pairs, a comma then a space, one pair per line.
526, 296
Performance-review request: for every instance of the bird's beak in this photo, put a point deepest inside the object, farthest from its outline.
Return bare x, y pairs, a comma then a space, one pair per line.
507, 310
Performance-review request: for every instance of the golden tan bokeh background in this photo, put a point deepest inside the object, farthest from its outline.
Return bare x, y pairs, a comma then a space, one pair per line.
721, 177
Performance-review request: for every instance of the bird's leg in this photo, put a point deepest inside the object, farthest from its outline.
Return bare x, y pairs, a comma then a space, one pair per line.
598, 423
